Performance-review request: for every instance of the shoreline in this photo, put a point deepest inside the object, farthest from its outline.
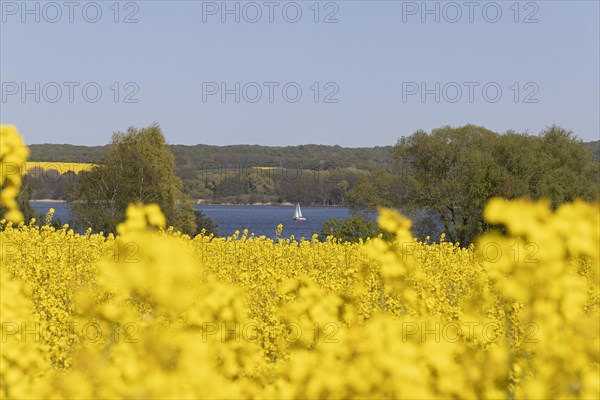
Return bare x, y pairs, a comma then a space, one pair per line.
202, 203
268, 203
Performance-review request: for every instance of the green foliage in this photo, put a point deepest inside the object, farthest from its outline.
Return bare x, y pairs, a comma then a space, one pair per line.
381, 188
185, 219
202, 157
137, 168
325, 187
23, 200
49, 152
570, 172
594, 148
205, 223
352, 229
513, 165
230, 186
196, 189
453, 172
29, 212
310, 174
50, 184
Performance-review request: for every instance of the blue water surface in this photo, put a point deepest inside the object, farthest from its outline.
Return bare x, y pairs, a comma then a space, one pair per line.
260, 220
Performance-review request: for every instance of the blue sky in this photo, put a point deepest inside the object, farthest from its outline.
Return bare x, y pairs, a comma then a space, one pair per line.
382, 71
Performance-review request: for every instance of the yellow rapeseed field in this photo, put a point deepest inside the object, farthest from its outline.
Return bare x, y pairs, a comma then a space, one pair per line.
152, 313
61, 167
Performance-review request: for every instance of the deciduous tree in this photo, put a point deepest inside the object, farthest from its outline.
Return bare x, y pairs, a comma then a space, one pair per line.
139, 167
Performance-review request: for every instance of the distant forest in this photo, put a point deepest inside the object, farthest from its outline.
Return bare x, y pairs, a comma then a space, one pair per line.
594, 147
201, 156
309, 174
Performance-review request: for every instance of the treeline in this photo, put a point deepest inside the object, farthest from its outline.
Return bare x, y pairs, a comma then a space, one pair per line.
246, 174
203, 157
49, 184
247, 185
243, 174
594, 148
444, 178
271, 185
441, 179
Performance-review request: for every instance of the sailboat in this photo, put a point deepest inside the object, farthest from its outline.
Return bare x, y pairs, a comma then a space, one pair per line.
298, 214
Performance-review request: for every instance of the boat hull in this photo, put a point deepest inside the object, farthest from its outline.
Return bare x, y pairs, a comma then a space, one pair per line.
299, 219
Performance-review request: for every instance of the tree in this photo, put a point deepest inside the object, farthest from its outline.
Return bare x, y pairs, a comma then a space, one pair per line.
381, 188
570, 171
23, 200
449, 175
139, 167
258, 182
204, 223
341, 188
352, 229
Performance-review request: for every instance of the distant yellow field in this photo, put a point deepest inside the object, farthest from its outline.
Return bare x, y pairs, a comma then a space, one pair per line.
61, 167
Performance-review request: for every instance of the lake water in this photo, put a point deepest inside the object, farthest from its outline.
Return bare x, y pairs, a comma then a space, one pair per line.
262, 220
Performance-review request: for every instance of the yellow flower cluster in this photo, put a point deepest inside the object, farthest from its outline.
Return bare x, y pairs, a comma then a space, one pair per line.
13, 154
61, 167
153, 313
139, 217
548, 264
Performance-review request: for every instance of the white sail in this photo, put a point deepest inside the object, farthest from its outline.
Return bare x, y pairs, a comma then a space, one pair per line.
298, 213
